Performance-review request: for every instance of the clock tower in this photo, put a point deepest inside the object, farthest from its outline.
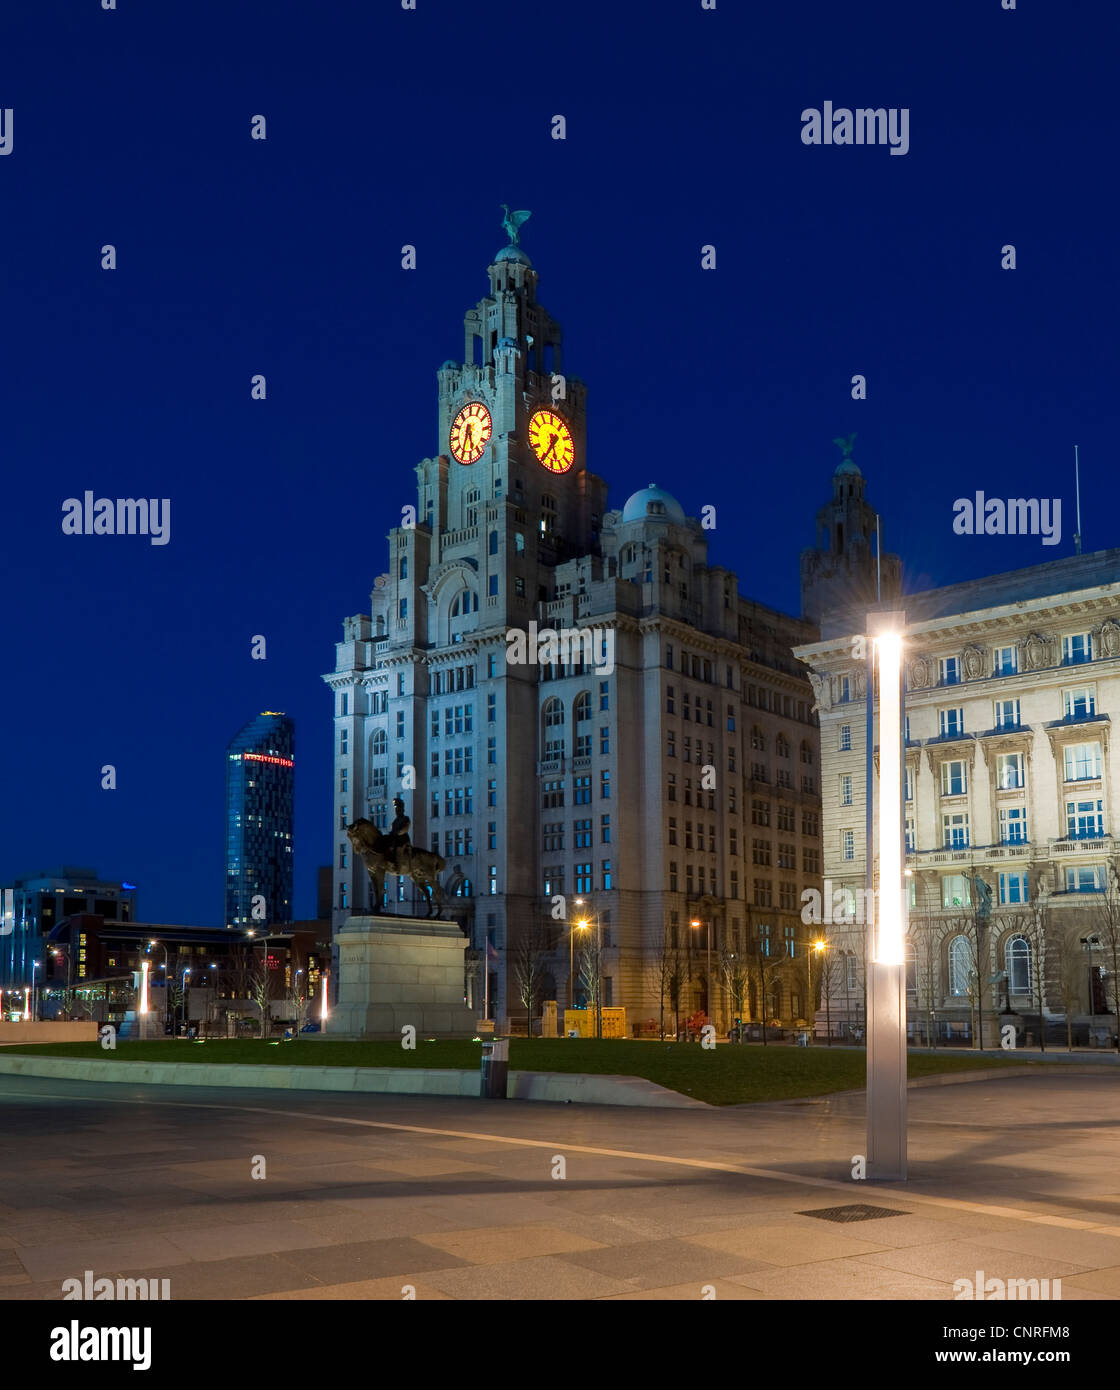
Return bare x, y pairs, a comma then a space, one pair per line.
589, 790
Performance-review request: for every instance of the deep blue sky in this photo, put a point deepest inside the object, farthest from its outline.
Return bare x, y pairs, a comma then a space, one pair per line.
283, 257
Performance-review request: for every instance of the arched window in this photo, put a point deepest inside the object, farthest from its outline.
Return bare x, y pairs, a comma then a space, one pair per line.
583, 706
553, 714
402, 568
456, 605
380, 745
781, 744
519, 543
493, 543
960, 965
465, 889
806, 753
758, 740
1018, 960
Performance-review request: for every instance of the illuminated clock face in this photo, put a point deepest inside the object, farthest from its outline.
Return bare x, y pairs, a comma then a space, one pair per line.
470, 432
552, 441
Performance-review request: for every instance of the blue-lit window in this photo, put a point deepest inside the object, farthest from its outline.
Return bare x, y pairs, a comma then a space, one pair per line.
1013, 825
1085, 819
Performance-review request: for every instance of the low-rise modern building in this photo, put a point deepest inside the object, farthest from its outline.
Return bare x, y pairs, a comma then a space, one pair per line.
33, 906
93, 968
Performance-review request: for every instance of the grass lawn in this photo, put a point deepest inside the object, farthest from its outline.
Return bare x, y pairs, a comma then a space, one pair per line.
727, 1075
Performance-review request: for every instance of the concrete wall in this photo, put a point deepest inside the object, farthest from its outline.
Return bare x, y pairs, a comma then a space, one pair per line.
522, 1085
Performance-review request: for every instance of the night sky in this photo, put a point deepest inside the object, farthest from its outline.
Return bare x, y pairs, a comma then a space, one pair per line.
283, 257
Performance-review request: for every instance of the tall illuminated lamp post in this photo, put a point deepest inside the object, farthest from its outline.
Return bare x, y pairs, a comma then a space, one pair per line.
820, 947
886, 953
696, 924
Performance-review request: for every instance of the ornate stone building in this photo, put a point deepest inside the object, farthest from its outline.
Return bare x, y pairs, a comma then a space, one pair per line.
1011, 683
654, 765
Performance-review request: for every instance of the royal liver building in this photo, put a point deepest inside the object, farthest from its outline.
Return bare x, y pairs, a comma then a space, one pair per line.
580, 713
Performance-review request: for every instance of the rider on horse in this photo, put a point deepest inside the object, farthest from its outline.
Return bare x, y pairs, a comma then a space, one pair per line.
398, 838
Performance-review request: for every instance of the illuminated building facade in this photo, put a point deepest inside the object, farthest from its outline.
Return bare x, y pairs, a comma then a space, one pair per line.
34, 905
659, 771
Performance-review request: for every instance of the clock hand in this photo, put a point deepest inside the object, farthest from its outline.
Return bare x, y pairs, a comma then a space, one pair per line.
552, 438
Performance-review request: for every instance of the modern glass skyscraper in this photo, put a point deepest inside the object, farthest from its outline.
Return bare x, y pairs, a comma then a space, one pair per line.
260, 812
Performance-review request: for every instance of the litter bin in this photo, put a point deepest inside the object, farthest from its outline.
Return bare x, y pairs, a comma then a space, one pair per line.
495, 1069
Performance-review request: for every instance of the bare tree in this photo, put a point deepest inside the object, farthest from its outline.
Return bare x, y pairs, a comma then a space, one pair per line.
765, 968
591, 976
660, 974
925, 940
296, 992
734, 970
1032, 925
528, 961
260, 991
1107, 922
1071, 966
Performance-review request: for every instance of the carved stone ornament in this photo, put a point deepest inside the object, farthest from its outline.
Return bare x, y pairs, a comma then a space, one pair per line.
1110, 638
974, 661
919, 674
1036, 652
822, 691
861, 684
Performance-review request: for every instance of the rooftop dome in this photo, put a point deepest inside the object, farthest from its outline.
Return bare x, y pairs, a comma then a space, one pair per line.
513, 253
653, 503
847, 469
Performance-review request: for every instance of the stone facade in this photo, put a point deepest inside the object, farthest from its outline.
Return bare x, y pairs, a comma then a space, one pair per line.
1011, 684
621, 773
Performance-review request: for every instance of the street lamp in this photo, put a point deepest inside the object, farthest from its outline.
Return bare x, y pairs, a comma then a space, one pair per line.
711, 993
145, 966
576, 926
583, 924
186, 1000
34, 990
886, 973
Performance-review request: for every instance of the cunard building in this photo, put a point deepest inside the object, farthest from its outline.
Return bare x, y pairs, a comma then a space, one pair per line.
581, 713
1011, 778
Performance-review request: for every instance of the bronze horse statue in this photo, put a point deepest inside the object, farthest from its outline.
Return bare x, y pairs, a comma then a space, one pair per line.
422, 866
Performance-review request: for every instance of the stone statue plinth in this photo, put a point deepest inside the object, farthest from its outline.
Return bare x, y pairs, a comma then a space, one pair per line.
395, 971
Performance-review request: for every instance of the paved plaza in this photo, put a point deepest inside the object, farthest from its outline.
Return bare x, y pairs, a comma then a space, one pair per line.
366, 1196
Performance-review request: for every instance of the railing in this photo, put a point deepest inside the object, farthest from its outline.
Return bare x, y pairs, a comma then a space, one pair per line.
450, 538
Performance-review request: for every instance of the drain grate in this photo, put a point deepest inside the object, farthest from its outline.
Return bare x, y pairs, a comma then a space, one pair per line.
857, 1211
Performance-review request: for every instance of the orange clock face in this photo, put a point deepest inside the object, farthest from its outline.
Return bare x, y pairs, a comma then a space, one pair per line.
551, 440
470, 432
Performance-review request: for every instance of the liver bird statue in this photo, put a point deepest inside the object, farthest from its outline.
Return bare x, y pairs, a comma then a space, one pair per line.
512, 222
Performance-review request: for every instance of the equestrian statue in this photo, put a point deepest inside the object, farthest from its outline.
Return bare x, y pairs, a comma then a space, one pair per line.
395, 853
